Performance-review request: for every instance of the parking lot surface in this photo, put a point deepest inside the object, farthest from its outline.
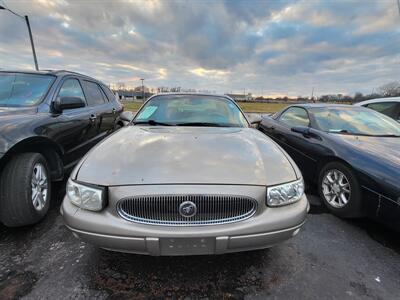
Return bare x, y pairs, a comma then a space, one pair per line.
330, 258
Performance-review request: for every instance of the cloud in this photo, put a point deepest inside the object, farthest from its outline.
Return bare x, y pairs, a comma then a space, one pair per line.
270, 47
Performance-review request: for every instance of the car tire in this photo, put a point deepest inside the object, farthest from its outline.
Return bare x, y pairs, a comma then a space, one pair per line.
339, 189
25, 189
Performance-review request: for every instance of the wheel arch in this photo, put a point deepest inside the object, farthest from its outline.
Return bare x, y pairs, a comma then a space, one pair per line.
327, 159
51, 151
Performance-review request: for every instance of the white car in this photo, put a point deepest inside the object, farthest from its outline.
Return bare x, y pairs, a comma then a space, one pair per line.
386, 106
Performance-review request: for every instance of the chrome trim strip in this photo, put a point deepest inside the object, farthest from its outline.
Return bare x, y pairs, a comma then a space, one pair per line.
381, 195
211, 209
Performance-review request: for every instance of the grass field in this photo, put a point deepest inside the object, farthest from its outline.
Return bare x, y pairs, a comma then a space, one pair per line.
246, 106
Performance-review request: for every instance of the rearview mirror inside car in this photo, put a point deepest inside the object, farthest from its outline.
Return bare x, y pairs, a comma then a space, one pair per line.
63, 103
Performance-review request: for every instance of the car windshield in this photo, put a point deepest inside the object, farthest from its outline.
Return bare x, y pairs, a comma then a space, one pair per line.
191, 110
355, 121
18, 89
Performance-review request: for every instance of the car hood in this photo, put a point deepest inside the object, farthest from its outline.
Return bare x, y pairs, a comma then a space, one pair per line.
13, 111
384, 148
186, 155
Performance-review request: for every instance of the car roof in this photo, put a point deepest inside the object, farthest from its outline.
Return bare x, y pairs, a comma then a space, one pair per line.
192, 94
51, 72
378, 100
320, 105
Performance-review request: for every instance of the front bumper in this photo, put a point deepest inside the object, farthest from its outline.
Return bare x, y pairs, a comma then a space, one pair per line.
268, 227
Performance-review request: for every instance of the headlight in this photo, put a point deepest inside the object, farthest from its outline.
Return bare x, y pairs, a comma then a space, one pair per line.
285, 193
86, 197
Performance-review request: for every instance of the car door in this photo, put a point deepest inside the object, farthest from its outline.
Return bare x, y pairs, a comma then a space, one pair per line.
300, 147
72, 128
116, 106
102, 110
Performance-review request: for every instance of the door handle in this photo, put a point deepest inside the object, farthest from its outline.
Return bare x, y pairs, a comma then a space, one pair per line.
92, 117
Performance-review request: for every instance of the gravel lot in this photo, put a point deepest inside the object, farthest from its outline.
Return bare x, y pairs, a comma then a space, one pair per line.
330, 258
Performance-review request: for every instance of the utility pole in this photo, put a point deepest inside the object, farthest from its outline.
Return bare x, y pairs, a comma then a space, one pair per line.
142, 79
398, 5
312, 94
32, 44
29, 31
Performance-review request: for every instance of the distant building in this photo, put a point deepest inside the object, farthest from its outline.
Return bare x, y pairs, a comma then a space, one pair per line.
241, 97
132, 95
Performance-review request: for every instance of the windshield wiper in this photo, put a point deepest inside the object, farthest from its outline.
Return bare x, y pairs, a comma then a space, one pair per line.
207, 124
386, 135
340, 131
152, 123
344, 131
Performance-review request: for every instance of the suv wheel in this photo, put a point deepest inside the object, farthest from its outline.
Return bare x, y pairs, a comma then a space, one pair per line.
24, 190
339, 189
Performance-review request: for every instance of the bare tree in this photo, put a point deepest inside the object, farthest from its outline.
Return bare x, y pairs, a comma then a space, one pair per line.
121, 86
391, 89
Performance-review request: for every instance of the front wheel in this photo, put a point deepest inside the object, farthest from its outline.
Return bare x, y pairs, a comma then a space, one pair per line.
339, 189
24, 190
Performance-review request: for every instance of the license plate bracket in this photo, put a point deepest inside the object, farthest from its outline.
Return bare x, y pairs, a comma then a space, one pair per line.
187, 246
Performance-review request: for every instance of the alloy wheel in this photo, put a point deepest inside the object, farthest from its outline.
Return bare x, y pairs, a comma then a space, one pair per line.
336, 188
39, 184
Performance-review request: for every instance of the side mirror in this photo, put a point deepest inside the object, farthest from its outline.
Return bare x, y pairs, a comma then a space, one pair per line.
302, 130
254, 119
63, 103
126, 117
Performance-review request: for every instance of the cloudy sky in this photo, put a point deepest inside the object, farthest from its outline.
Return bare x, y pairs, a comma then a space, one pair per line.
266, 47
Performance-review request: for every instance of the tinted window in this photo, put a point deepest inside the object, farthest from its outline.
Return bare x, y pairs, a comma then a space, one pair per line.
387, 108
192, 110
357, 121
109, 93
23, 89
295, 116
93, 93
397, 118
71, 88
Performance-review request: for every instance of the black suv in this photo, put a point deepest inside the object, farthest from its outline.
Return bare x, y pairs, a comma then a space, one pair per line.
48, 121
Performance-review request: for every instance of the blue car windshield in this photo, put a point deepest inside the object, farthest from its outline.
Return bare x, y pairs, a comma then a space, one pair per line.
355, 121
191, 110
19, 89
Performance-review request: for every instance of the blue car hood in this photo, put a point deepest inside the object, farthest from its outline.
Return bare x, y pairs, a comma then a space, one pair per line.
385, 148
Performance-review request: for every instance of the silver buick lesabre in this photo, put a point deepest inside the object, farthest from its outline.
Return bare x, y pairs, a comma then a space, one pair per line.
189, 176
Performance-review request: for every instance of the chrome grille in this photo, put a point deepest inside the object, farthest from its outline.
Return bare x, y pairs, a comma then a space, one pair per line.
164, 209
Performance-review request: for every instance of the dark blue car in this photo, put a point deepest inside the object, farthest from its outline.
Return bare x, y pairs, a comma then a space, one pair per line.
351, 153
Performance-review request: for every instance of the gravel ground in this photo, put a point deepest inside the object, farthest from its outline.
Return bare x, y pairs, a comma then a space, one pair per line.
330, 258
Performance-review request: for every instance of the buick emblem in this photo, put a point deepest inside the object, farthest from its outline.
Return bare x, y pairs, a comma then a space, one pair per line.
187, 209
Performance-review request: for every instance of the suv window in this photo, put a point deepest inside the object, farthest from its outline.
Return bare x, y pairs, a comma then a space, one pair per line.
109, 93
387, 108
295, 116
94, 94
71, 88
